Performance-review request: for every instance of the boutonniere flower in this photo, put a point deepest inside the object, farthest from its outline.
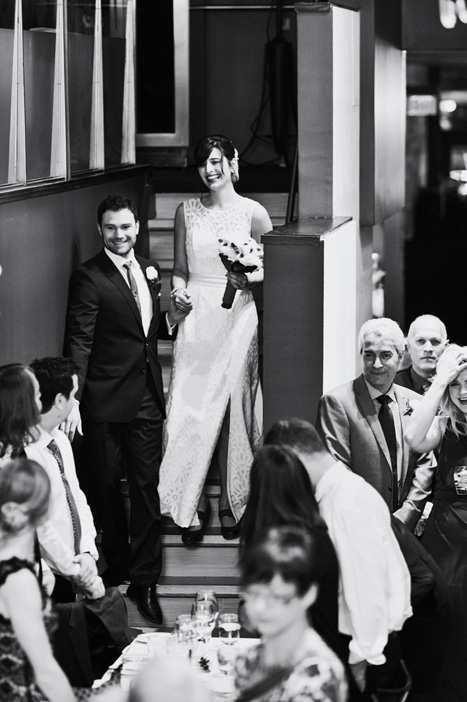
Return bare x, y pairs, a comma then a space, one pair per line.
153, 279
410, 406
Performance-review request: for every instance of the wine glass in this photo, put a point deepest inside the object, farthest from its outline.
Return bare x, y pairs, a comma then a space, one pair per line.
207, 596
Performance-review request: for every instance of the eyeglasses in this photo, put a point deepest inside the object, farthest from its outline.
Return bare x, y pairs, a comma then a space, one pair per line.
272, 600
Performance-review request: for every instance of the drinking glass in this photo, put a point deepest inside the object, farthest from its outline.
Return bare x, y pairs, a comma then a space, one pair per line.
460, 479
226, 657
207, 596
229, 629
205, 618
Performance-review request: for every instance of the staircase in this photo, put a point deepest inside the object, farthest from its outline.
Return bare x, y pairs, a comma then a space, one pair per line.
212, 564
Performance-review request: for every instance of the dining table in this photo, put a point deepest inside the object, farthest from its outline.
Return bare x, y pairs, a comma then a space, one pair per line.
160, 643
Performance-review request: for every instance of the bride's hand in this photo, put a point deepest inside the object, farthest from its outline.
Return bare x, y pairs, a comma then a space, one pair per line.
176, 315
238, 280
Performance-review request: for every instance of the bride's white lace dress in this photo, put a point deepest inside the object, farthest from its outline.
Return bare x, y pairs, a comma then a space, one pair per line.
215, 360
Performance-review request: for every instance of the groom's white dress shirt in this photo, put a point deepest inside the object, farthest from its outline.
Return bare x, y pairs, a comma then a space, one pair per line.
56, 534
374, 582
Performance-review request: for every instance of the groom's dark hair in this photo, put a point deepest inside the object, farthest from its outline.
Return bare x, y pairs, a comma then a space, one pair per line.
116, 203
54, 375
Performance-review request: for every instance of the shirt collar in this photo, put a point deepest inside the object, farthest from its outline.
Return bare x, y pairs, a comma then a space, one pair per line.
375, 393
326, 481
44, 437
417, 380
120, 261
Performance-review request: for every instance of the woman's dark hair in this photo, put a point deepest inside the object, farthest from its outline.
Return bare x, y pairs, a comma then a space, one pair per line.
26, 483
203, 148
289, 552
280, 495
18, 410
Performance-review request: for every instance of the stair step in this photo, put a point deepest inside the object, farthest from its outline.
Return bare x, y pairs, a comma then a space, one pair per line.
196, 561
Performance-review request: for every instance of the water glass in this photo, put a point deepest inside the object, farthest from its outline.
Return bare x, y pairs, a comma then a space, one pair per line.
229, 628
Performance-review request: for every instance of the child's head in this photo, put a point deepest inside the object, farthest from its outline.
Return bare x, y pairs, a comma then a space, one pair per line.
24, 495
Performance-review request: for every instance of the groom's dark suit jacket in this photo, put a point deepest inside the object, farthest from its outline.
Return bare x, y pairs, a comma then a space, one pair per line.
349, 426
105, 337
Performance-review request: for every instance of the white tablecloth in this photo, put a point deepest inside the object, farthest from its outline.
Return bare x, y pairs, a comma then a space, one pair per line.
144, 646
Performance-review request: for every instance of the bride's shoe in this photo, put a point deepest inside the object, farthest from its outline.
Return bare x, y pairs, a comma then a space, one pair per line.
231, 531
193, 536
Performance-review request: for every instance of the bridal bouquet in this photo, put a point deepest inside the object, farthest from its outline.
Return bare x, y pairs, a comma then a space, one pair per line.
239, 258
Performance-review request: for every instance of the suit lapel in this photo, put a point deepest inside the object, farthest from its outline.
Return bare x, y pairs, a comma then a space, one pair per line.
112, 272
368, 409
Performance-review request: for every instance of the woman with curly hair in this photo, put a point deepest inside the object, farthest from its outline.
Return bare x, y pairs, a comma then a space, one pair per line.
440, 421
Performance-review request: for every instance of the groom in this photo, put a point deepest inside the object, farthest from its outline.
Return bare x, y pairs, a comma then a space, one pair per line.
112, 326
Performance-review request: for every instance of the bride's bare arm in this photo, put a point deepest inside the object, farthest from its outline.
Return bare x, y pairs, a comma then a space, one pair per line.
180, 300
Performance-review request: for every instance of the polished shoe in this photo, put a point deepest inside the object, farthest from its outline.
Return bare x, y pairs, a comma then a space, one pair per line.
193, 536
145, 598
229, 532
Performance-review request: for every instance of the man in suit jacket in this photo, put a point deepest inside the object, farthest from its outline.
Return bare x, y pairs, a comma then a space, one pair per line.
354, 430
112, 326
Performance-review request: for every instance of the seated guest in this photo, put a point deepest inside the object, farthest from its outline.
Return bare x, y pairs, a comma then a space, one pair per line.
20, 406
362, 425
281, 573
281, 495
426, 341
169, 679
72, 542
374, 587
28, 670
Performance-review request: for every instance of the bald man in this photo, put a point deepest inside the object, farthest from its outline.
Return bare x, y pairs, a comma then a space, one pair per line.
426, 341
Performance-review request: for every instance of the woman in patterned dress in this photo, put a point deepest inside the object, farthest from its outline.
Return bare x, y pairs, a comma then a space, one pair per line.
214, 393
281, 574
28, 669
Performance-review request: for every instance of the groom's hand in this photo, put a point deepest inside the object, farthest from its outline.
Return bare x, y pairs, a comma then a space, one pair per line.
72, 423
174, 314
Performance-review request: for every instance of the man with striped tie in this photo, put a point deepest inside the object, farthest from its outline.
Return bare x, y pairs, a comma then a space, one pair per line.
67, 539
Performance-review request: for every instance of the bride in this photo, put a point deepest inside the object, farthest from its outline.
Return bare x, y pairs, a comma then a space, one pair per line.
214, 395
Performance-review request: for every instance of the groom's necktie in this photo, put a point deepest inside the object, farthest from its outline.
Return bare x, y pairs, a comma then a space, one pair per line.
386, 419
57, 454
132, 284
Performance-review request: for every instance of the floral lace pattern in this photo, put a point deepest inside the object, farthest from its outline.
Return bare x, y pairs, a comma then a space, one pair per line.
215, 361
16, 675
318, 676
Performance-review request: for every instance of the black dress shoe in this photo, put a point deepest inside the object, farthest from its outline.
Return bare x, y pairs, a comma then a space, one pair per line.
229, 532
145, 598
193, 536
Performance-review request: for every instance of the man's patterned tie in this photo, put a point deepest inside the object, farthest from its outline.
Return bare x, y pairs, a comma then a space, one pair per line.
132, 282
57, 454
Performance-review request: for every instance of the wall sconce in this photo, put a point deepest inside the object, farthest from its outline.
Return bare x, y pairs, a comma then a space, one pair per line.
450, 10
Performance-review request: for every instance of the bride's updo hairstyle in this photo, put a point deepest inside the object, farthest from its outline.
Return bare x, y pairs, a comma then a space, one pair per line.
24, 483
203, 148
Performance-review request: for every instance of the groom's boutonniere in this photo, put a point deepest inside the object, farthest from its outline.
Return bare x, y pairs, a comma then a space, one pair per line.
410, 406
153, 280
